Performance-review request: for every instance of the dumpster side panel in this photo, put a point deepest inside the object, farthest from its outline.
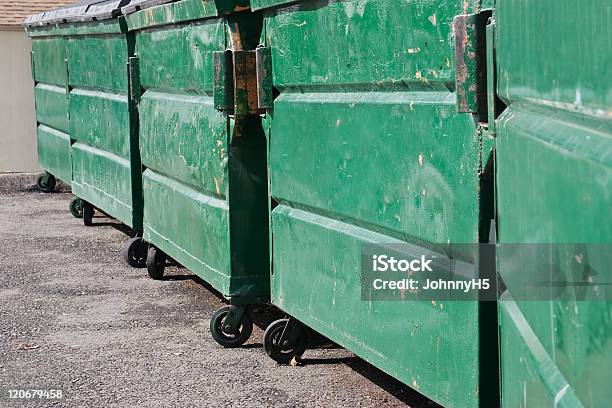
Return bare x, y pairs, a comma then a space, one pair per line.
357, 6
52, 106
51, 100
187, 170
104, 180
54, 152
554, 146
316, 278
189, 226
100, 126
183, 56
351, 52
576, 33
98, 62
432, 180
184, 147
106, 163
366, 146
174, 143
175, 13
560, 346
100, 120
577, 158
49, 57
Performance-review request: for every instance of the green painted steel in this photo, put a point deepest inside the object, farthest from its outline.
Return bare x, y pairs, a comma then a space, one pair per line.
103, 119
50, 73
554, 147
54, 152
52, 106
204, 183
366, 146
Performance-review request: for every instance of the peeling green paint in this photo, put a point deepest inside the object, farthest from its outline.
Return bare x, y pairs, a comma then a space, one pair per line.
103, 120
554, 148
366, 146
205, 184
50, 74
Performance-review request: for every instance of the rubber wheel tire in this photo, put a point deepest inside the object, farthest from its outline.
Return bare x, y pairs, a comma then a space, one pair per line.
76, 207
277, 353
230, 340
134, 252
88, 213
46, 183
156, 263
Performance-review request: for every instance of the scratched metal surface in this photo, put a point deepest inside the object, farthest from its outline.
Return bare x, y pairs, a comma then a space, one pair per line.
366, 146
51, 100
205, 185
554, 147
105, 158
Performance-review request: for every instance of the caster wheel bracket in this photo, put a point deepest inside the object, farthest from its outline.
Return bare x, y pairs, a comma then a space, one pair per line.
222, 329
233, 320
292, 333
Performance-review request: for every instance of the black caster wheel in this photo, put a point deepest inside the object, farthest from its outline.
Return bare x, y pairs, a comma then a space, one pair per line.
76, 207
88, 213
156, 263
135, 252
283, 351
46, 183
224, 334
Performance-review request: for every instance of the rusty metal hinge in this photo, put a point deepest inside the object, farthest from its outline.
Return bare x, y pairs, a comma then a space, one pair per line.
242, 81
265, 88
471, 62
245, 83
223, 87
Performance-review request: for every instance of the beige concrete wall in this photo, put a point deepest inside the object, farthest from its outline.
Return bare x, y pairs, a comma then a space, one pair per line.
17, 120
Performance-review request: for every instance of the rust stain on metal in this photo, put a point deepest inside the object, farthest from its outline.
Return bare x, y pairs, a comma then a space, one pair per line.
251, 82
461, 70
235, 37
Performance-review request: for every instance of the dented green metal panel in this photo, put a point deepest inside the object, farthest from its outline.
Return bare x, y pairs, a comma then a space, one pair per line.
366, 146
204, 183
103, 119
554, 146
50, 73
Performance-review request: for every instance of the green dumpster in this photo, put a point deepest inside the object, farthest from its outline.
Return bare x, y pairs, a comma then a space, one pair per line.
49, 71
103, 81
204, 179
554, 154
375, 138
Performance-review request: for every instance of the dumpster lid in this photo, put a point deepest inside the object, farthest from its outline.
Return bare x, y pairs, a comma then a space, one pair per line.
34, 20
105, 10
76, 12
58, 15
137, 5
51, 16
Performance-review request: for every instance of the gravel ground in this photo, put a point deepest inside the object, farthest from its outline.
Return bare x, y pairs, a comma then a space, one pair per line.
74, 317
